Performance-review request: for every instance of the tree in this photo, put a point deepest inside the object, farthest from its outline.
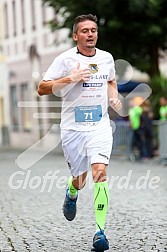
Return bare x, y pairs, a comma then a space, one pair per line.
134, 30
159, 89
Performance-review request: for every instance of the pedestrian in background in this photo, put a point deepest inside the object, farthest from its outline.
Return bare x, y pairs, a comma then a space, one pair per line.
85, 75
163, 108
135, 112
146, 130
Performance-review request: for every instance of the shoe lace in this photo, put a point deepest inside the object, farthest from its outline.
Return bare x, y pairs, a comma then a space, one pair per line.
101, 230
71, 203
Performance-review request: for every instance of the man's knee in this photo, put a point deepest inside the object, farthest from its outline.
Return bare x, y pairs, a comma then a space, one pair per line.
80, 181
99, 172
99, 176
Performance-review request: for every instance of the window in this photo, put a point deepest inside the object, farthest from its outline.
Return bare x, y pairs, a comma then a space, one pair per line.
14, 108
14, 18
6, 21
33, 14
23, 16
25, 111
43, 14
2, 113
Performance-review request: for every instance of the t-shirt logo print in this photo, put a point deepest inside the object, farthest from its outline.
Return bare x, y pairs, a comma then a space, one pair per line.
93, 68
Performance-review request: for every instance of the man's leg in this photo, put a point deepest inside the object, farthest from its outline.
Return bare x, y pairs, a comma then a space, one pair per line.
101, 198
101, 194
73, 143
74, 184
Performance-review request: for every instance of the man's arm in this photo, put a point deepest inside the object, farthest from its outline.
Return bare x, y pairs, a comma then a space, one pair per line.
114, 101
112, 89
53, 86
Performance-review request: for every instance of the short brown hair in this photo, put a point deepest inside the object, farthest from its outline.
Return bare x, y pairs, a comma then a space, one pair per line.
83, 18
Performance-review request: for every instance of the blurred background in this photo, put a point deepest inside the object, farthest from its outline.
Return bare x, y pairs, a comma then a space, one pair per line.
34, 32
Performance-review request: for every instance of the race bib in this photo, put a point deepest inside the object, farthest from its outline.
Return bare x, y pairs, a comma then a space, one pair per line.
88, 113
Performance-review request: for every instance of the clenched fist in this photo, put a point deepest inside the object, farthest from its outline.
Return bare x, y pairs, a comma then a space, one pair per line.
115, 103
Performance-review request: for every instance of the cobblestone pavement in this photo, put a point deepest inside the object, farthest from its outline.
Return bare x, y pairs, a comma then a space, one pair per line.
31, 216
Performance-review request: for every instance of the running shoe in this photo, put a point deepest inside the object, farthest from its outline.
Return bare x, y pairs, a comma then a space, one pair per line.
100, 242
69, 207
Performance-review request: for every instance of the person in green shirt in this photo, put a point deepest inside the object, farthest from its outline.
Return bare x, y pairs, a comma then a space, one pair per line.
135, 112
163, 108
134, 116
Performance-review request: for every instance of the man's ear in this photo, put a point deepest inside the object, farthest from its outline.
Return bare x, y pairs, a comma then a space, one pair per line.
75, 38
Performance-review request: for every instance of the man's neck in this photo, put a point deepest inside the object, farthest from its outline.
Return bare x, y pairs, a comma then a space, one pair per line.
88, 52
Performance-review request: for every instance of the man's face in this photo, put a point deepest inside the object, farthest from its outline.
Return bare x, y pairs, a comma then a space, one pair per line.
163, 101
86, 35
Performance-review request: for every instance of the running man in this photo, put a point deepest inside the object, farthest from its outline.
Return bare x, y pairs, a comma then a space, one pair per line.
85, 77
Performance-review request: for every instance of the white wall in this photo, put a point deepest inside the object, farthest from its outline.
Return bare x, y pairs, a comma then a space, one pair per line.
4, 103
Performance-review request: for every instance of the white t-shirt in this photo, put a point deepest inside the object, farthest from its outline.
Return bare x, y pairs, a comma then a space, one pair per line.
85, 104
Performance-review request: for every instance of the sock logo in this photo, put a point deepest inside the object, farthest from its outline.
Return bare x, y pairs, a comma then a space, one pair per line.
100, 207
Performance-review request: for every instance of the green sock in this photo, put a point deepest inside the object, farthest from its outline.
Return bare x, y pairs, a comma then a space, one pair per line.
101, 198
72, 189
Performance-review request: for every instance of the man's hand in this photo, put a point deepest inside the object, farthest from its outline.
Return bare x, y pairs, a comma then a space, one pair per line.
115, 103
79, 75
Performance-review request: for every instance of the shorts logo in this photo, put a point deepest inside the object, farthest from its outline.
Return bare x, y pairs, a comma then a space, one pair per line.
103, 155
93, 68
69, 165
100, 207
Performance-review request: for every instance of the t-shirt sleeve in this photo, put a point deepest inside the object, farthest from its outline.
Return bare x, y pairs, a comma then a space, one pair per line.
112, 68
56, 70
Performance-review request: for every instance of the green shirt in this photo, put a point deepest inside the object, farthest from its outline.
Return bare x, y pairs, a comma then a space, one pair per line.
134, 117
163, 113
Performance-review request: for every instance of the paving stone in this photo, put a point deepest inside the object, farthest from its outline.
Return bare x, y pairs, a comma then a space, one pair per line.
31, 220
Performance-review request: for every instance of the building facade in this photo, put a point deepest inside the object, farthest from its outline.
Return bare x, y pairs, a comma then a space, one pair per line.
29, 47
4, 106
